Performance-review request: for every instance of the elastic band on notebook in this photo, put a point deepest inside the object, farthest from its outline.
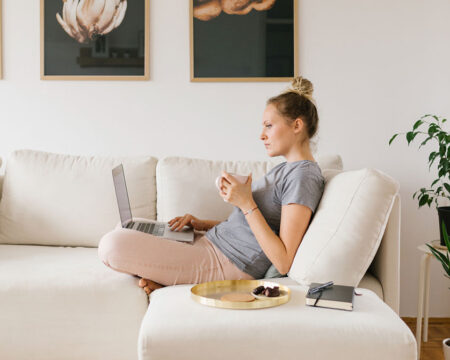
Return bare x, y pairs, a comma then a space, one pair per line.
320, 295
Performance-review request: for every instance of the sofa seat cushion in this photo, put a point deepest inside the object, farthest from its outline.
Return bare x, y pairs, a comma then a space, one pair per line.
64, 303
175, 324
65, 200
174, 175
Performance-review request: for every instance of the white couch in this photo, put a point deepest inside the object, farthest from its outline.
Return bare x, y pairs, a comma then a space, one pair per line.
58, 301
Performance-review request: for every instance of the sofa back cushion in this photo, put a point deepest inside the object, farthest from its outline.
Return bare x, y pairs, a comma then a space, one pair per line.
52, 199
347, 228
186, 185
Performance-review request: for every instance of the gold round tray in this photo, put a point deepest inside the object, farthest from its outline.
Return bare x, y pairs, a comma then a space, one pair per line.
209, 294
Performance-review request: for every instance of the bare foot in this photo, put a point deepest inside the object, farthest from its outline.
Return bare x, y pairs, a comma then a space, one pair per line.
149, 285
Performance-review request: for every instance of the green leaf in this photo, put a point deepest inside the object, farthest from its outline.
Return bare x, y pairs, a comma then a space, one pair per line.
444, 120
434, 182
438, 255
423, 200
392, 139
442, 150
410, 135
445, 234
417, 124
433, 156
447, 187
425, 141
442, 258
432, 129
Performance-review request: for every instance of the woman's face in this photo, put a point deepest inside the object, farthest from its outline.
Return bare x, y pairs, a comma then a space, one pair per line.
278, 136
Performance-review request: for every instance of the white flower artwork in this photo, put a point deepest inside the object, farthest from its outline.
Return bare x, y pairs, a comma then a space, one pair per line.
84, 20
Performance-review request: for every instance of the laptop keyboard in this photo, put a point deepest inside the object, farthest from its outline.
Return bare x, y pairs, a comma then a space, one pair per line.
150, 228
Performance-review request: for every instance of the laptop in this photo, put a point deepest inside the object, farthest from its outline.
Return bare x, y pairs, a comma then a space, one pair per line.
152, 227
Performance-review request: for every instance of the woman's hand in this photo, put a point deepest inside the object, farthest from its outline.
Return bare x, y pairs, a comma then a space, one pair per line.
236, 193
177, 224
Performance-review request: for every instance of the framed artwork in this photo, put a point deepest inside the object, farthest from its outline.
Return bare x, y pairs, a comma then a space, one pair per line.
243, 40
95, 40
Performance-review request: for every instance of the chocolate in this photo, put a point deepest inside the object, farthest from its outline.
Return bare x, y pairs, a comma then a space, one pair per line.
258, 290
267, 291
274, 292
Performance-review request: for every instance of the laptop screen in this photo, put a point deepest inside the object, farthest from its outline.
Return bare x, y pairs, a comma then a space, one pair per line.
122, 195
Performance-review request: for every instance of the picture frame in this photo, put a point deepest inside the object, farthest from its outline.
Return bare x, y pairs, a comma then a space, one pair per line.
266, 40
80, 50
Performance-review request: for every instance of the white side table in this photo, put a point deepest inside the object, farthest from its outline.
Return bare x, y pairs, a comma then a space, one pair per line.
424, 295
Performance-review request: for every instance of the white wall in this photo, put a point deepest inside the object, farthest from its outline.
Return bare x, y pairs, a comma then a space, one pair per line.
376, 65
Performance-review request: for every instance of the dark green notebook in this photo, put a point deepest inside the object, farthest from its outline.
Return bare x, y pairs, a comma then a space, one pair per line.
334, 297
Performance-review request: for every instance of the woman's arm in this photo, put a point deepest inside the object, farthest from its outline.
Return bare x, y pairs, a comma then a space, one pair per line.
210, 223
179, 222
294, 222
280, 250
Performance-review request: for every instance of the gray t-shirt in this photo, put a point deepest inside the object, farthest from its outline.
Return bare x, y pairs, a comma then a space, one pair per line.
299, 182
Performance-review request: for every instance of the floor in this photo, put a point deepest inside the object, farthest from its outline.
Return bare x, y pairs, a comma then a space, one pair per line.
438, 330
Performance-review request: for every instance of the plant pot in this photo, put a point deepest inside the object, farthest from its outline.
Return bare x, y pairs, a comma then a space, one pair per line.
446, 348
444, 216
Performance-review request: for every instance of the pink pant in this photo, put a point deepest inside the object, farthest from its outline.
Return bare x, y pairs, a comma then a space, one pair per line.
167, 262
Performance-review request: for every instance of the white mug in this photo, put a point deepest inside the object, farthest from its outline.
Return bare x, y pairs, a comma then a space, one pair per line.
446, 348
241, 178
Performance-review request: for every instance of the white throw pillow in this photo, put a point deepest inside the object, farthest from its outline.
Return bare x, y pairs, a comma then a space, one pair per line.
186, 185
53, 199
347, 228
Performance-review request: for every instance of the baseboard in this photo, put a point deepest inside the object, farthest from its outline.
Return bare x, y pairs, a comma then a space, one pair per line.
431, 320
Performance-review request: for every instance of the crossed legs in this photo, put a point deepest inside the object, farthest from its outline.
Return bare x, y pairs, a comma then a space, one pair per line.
160, 262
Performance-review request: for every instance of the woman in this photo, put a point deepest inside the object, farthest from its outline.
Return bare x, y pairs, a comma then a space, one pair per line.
268, 221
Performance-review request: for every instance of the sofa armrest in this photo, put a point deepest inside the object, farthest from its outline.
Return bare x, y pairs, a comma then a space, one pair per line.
386, 264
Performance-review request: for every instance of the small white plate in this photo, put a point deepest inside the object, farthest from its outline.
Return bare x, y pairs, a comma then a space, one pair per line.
261, 297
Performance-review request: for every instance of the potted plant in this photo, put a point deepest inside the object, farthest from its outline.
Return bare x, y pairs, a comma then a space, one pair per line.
445, 261
443, 258
431, 127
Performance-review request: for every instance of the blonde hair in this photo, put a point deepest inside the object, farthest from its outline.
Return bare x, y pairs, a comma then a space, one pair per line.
303, 87
297, 101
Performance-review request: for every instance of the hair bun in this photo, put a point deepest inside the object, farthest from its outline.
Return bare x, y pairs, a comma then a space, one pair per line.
302, 86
